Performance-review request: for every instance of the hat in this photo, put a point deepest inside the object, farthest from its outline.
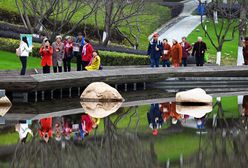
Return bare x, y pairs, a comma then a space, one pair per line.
59, 36
45, 40
155, 34
155, 132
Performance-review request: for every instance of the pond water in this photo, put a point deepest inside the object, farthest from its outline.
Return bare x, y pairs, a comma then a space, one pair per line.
148, 130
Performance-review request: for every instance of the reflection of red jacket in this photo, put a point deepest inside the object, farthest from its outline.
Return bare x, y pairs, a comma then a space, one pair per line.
46, 56
87, 52
87, 122
171, 111
46, 127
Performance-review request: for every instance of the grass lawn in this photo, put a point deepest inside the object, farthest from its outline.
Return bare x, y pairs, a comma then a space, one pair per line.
9, 61
153, 17
9, 138
229, 51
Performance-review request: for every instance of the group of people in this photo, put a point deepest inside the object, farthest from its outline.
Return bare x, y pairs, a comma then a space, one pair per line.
75, 127
177, 54
161, 113
60, 53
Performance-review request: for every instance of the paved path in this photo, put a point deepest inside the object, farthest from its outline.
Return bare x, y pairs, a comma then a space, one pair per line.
182, 25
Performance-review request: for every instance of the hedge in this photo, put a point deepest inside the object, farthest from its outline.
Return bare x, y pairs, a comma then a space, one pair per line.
107, 58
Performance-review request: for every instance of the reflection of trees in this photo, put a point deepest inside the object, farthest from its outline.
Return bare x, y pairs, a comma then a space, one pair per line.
223, 146
113, 149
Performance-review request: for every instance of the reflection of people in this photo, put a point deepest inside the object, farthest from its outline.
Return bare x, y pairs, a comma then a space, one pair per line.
154, 117
200, 122
23, 130
45, 130
67, 128
245, 106
168, 110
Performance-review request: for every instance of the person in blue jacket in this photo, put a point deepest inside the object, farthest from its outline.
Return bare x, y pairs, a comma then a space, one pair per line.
77, 50
155, 50
154, 117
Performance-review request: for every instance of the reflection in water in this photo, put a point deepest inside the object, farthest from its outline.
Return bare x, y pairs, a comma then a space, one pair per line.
5, 105
154, 117
23, 130
245, 106
109, 150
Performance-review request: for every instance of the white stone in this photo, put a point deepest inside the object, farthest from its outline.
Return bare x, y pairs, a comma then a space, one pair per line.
5, 105
197, 95
101, 91
194, 111
100, 109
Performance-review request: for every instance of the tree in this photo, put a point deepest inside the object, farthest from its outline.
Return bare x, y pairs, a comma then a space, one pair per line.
228, 15
119, 13
52, 16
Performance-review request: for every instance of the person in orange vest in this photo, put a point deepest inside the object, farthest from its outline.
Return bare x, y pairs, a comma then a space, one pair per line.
176, 54
46, 52
168, 110
45, 130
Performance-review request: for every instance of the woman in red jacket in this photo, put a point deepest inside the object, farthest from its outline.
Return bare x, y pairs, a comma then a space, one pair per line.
46, 128
86, 53
46, 52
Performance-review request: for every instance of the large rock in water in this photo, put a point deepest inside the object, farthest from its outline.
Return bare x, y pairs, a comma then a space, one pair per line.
100, 109
5, 105
197, 95
194, 111
99, 91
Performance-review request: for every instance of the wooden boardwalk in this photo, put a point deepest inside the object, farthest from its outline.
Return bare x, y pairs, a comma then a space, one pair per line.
52, 81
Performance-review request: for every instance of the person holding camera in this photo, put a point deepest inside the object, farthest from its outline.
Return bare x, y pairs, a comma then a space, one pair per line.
46, 52
58, 54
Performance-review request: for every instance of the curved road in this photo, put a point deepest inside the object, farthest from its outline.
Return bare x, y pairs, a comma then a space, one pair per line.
182, 25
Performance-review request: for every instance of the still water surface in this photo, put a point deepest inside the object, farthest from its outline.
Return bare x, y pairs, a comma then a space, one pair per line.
144, 132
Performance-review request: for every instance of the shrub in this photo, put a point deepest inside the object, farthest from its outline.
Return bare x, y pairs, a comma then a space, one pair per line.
107, 58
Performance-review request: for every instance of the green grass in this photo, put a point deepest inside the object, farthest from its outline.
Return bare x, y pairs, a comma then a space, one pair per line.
9, 61
153, 17
229, 51
172, 146
9, 138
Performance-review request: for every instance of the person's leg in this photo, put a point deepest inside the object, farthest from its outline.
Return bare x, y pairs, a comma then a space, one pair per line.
184, 62
84, 64
65, 64
44, 69
69, 64
55, 70
48, 69
79, 62
60, 68
157, 62
152, 62
24, 65
163, 63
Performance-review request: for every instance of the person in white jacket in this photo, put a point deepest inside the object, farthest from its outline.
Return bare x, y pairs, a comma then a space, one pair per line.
25, 50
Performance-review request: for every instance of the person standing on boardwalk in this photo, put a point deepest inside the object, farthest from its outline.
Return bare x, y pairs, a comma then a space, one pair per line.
24, 49
87, 52
46, 52
77, 50
166, 53
198, 52
186, 48
155, 50
245, 51
68, 49
176, 53
58, 54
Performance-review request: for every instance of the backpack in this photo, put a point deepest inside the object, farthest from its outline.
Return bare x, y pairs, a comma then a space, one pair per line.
19, 51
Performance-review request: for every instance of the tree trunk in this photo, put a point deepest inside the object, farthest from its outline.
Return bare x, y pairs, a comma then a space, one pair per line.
218, 57
109, 4
242, 33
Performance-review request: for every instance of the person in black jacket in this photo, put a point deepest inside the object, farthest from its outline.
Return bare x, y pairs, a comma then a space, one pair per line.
154, 117
199, 50
155, 50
